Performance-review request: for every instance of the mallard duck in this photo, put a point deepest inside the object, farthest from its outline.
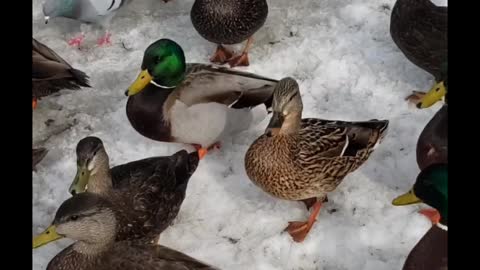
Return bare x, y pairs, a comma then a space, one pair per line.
229, 22
304, 159
37, 155
431, 187
432, 145
50, 73
147, 192
93, 222
197, 104
420, 29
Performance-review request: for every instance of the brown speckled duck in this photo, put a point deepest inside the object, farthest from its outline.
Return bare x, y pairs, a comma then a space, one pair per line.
304, 159
420, 30
147, 192
229, 22
50, 73
93, 222
431, 187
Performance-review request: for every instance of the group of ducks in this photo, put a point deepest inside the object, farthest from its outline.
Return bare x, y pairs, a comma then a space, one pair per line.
116, 215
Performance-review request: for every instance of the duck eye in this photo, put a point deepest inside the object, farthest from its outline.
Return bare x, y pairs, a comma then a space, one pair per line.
73, 218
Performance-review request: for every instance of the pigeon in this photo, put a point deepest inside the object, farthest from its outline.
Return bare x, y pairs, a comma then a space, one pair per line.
90, 12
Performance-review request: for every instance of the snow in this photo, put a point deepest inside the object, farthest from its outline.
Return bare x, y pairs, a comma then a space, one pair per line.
348, 68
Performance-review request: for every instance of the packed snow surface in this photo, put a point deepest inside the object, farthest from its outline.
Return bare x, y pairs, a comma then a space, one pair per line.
348, 68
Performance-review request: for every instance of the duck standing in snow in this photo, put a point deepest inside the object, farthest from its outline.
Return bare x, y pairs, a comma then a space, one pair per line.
50, 74
420, 29
93, 222
431, 187
229, 22
147, 192
171, 101
304, 159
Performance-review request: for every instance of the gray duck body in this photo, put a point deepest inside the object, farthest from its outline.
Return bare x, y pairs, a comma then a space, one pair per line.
127, 255
228, 21
51, 73
420, 30
148, 194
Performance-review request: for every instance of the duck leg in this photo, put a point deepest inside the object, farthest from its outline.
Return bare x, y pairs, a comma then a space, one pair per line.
221, 55
432, 214
299, 229
202, 152
242, 59
34, 103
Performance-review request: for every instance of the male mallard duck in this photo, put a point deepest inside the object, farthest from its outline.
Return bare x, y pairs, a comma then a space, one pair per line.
93, 222
304, 159
431, 187
229, 22
172, 101
37, 155
50, 73
432, 145
148, 192
420, 30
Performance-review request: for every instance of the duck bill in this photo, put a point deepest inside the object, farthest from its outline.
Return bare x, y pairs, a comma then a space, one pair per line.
143, 79
436, 93
80, 182
406, 199
275, 123
49, 235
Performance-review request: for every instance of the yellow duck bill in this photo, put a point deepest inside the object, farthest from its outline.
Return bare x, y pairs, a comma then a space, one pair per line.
143, 79
49, 235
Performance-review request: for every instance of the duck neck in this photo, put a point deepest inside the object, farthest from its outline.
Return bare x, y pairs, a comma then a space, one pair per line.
291, 124
101, 239
100, 180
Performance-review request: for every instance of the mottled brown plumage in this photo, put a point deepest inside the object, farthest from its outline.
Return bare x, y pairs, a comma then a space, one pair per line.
92, 221
148, 193
299, 159
51, 73
229, 22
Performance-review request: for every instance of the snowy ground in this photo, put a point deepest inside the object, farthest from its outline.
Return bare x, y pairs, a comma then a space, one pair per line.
348, 68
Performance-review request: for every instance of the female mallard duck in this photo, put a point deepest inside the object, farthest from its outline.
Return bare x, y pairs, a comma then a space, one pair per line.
419, 28
93, 222
431, 187
37, 155
50, 73
147, 192
304, 159
172, 101
229, 22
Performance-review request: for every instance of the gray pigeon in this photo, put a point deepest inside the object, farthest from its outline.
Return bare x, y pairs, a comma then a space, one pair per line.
97, 12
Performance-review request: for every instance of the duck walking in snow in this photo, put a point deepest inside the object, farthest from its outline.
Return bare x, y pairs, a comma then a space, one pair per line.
148, 193
304, 159
197, 104
229, 22
93, 222
431, 187
420, 29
